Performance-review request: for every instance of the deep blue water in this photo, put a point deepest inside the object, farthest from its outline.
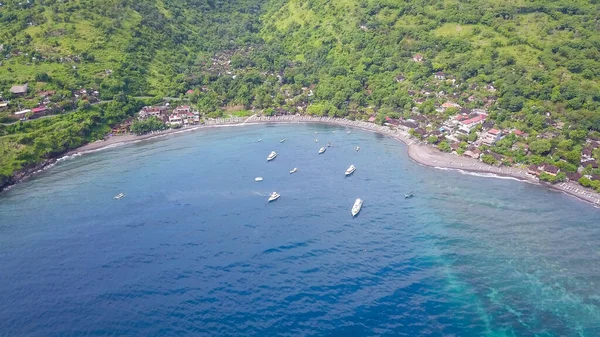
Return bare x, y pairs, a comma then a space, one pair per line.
195, 249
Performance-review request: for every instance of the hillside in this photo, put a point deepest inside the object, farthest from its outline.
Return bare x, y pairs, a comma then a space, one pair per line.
533, 67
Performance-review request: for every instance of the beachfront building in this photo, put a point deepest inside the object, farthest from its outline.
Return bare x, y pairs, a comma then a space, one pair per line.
153, 111
491, 137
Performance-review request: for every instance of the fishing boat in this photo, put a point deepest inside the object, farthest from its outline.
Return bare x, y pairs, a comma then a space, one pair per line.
274, 196
322, 150
272, 156
119, 196
282, 140
350, 170
357, 206
409, 195
294, 170
258, 179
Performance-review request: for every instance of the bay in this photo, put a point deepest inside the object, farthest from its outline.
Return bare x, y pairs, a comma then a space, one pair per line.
195, 249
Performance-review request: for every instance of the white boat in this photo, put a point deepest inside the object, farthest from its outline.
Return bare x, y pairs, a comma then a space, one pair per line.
260, 140
321, 150
357, 206
274, 196
316, 140
409, 195
119, 196
350, 170
357, 148
328, 144
258, 179
282, 140
272, 156
294, 170
348, 132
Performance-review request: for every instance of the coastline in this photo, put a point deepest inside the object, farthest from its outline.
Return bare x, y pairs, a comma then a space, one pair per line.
419, 152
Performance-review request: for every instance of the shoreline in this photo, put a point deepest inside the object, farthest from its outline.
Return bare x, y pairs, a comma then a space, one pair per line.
418, 152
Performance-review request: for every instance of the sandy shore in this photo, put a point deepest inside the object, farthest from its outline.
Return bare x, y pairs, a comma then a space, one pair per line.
420, 153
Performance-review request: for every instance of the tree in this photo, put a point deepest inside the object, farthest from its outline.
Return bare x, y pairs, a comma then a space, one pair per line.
489, 159
540, 147
444, 147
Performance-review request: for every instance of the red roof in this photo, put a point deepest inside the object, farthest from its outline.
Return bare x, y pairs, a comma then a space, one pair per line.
38, 109
518, 132
494, 131
372, 119
190, 91
477, 119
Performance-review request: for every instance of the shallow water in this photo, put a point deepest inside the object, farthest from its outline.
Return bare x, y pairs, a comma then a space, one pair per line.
194, 248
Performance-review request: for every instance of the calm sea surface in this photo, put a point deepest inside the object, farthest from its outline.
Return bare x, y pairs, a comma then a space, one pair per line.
195, 249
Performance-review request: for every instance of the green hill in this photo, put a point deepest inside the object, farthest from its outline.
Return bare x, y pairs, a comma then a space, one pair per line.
534, 65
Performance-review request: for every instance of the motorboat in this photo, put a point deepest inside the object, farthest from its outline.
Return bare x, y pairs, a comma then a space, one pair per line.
409, 195
350, 170
357, 206
260, 140
328, 144
119, 196
322, 150
294, 170
274, 196
282, 140
272, 156
258, 179
316, 140
348, 132
357, 148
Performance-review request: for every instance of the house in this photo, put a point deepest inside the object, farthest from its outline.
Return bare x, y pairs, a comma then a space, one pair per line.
520, 133
573, 176
3, 106
450, 105
490, 88
400, 78
533, 170
471, 154
175, 119
418, 58
491, 137
420, 132
22, 113
550, 169
39, 110
590, 162
189, 92
19, 90
182, 109
439, 76
470, 123
392, 121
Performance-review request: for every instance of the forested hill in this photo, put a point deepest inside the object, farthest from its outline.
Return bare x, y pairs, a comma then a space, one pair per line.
142, 47
534, 66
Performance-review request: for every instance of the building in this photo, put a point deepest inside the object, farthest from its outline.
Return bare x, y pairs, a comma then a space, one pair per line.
182, 109
175, 119
550, 169
491, 137
471, 154
439, 76
418, 58
152, 111
3, 106
19, 90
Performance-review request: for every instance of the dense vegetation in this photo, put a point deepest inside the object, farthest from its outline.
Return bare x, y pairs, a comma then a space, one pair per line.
338, 57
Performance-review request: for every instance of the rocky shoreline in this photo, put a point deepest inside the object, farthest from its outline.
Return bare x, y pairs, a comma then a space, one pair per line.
419, 152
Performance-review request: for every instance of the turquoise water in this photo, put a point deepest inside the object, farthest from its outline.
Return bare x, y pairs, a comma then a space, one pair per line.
195, 249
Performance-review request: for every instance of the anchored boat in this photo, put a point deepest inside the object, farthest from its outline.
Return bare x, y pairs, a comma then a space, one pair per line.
258, 179
274, 196
350, 170
294, 170
282, 140
272, 156
119, 196
409, 195
322, 150
357, 206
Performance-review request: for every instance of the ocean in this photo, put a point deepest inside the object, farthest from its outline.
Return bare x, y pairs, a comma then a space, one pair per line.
195, 249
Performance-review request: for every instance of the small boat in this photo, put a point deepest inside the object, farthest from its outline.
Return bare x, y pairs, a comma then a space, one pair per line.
316, 140
350, 170
274, 196
348, 132
294, 170
260, 140
282, 140
409, 195
272, 156
258, 179
357, 206
119, 196
357, 148
328, 144
322, 150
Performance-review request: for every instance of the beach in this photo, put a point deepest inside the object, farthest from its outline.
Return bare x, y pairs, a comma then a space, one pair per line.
419, 152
